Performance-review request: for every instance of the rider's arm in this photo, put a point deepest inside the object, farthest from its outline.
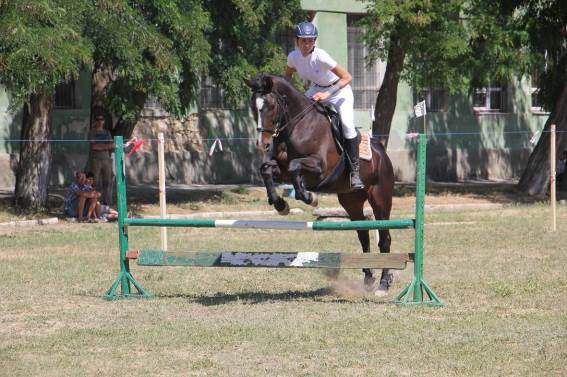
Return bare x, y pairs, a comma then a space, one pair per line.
344, 79
289, 72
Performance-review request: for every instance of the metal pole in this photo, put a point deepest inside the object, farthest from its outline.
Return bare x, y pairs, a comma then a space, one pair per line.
125, 278
162, 202
414, 292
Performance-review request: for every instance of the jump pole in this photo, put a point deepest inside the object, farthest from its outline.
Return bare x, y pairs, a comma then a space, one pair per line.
417, 292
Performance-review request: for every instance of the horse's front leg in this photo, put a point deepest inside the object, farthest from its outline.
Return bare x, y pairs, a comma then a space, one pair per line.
297, 168
267, 171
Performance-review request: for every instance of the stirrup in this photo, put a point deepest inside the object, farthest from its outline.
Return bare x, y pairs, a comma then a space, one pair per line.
355, 181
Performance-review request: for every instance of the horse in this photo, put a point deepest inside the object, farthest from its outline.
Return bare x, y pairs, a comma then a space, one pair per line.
299, 147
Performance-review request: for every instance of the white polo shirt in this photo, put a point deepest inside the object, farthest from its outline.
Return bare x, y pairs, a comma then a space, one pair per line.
315, 67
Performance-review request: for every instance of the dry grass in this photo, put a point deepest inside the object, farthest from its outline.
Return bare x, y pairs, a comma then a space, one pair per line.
500, 273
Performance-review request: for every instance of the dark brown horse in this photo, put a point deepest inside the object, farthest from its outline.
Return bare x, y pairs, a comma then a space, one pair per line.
296, 135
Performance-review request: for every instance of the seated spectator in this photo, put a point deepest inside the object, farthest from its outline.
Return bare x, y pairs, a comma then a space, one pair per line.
101, 212
78, 202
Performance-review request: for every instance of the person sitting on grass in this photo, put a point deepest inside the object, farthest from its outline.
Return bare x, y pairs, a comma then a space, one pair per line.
78, 202
101, 212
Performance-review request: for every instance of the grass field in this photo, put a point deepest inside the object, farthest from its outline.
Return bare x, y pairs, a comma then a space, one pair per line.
501, 274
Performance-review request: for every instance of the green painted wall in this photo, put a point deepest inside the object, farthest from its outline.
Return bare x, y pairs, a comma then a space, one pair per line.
464, 144
340, 6
332, 35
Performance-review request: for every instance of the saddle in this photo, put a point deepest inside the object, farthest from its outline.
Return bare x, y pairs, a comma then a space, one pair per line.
365, 152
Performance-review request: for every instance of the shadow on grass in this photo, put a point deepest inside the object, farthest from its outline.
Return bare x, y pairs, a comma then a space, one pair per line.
321, 295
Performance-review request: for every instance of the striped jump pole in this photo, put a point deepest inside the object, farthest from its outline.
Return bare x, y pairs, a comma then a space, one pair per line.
416, 292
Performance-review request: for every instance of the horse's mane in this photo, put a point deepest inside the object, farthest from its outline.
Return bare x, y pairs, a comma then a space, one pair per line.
282, 85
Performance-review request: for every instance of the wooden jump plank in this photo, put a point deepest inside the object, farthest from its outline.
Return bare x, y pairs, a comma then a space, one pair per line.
396, 261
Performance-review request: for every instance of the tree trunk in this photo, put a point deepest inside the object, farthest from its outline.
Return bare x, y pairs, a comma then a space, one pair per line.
535, 178
101, 77
387, 95
32, 174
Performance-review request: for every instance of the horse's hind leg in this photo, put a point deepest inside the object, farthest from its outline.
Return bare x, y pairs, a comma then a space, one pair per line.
353, 203
381, 203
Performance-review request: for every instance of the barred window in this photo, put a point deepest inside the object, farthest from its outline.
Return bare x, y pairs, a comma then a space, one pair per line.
366, 80
212, 96
65, 95
491, 98
435, 99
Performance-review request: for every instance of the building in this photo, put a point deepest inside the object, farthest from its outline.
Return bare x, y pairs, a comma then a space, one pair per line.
482, 136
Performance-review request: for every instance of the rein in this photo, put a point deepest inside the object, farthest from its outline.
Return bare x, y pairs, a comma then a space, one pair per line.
282, 108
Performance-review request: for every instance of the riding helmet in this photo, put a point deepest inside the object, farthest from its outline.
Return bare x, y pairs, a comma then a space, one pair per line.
306, 29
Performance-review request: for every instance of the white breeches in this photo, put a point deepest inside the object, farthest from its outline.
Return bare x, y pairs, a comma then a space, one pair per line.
343, 101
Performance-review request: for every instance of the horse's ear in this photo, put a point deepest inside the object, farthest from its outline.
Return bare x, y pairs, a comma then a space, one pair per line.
256, 84
267, 83
250, 83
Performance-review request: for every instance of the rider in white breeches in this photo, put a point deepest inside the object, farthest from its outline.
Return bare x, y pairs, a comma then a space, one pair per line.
329, 84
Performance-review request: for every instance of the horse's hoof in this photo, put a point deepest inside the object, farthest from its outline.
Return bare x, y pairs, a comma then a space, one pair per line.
284, 211
369, 283
314, 200
386, 281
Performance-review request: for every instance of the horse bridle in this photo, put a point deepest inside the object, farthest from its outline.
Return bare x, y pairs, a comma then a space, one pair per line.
281, 111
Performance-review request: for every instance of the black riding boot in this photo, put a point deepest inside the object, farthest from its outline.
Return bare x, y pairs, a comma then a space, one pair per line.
351, 147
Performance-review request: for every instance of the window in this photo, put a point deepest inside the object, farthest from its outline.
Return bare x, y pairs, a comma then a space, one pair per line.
211, 94
490, 99
435, 99
65, 95
536, 101
366, 80
536, 105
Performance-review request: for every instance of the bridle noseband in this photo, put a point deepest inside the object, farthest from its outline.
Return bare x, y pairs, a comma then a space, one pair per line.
281, 120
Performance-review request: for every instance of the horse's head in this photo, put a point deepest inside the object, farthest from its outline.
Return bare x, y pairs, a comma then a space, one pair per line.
267, 107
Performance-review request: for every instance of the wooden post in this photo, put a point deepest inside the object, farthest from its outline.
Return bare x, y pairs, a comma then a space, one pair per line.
162, 202
552, 183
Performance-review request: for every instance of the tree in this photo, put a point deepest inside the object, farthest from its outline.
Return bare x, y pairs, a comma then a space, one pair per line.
146, 48
546, 24
41, 45
422, 42
245, 43
162, 48
450, 44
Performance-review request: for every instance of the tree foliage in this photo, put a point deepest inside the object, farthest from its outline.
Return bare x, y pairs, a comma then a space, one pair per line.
163, 48
245, 42
430, 33
149, 48
41, 44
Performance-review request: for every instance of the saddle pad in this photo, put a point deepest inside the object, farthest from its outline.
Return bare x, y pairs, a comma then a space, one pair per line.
365, 152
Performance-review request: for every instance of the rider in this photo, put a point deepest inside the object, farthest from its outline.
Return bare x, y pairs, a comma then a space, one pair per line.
329, 84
